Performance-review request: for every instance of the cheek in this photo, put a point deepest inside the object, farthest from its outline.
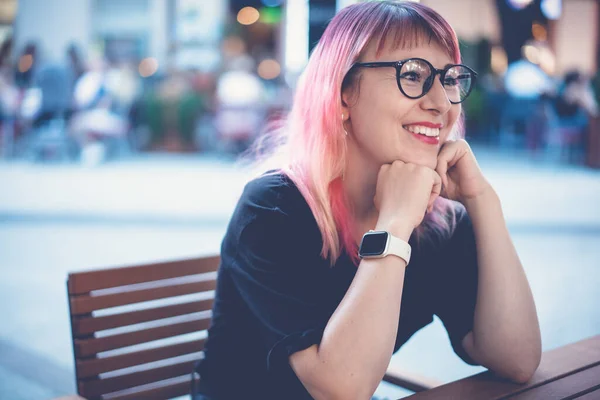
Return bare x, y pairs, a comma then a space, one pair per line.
453, 116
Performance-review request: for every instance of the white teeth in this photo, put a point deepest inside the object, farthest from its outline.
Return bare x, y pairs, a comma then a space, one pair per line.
423, 130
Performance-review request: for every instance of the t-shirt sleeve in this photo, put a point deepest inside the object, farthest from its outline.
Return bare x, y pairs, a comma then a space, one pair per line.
456, 293
274, 269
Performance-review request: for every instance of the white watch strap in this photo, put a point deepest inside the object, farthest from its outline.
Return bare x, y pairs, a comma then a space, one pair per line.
398, 247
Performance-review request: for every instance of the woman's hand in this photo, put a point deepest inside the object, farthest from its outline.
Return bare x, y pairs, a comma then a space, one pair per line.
404, 192
461, 177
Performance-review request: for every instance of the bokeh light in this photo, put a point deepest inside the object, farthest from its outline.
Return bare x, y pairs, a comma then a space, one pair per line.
248, 16
531, 53
269, 69
519, 4
148, 67
552, 9
233, 46
499, 61
539, 32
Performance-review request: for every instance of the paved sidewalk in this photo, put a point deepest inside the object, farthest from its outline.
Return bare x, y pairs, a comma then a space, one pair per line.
192, 189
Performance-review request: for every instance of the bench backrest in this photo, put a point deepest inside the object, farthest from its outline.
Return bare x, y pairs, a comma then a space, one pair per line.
137, 331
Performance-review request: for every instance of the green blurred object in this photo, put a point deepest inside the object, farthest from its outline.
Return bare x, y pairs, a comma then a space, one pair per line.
474, 105
177, 115
270, 15
152, 110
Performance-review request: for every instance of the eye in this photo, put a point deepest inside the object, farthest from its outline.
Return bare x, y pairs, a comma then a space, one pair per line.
411, 76
456, 80
450, 81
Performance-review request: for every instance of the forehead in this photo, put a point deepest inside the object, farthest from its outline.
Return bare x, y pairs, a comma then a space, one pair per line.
421, 47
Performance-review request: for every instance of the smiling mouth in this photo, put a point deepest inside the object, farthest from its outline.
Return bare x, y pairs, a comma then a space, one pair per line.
423, 130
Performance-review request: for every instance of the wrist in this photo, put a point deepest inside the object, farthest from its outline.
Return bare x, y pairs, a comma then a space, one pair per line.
400, 229
486, 198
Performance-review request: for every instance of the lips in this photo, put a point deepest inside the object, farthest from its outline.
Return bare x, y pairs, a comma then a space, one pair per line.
423, 130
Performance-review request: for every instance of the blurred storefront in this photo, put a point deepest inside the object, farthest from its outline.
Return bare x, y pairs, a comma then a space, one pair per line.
8, 11
203, 66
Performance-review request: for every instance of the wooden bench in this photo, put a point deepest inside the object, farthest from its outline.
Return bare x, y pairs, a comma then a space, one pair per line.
568, 372
137, 330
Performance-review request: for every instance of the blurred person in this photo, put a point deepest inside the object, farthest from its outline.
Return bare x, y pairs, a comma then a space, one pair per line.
55, 82
575, 101
371, 217
179, 107
123, 83
574, 105
26, 65
96, 125
524, 82
76, 62
7, 87
240, 110
9, 98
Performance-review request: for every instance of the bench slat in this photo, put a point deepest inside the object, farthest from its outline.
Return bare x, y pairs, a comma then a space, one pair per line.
593, 395
409, 380
86, 325
88, 347
555, 364
96, 366
102, 386
159, 393
564, 387
85, 282
85, 304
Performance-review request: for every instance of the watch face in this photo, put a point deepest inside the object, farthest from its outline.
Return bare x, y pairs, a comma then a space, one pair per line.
373, 244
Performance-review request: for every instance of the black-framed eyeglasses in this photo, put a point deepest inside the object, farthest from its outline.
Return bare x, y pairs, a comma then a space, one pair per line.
415, 77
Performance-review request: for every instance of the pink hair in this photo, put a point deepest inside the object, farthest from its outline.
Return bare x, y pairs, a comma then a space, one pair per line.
311, 147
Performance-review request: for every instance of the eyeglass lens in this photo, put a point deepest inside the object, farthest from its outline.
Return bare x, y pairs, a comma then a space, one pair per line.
415, 79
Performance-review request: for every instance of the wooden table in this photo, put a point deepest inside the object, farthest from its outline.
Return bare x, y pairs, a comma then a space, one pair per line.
568, 372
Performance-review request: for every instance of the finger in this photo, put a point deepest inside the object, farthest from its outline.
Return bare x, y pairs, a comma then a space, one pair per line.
436, 189
447, 157
437, 183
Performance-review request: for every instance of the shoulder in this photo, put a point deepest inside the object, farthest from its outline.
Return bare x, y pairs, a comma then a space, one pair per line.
273, 192
271, 187
272, 205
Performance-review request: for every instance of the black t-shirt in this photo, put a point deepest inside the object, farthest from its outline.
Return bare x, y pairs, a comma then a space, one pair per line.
275, 293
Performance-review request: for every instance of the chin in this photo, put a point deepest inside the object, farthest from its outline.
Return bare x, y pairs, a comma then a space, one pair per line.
424, 161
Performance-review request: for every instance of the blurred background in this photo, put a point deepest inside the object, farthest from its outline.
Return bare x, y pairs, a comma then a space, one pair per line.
121, 122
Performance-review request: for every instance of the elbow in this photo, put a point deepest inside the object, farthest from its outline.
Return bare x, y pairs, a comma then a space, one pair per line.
518, 366
523, 370
520, 376
351, 392
343, 390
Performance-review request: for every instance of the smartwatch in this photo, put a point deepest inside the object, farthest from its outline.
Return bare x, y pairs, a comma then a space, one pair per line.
378, 244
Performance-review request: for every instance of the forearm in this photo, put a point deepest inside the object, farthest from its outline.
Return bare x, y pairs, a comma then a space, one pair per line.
506, 335
359, 338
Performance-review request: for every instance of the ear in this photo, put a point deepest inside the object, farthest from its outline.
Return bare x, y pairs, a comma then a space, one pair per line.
345, 107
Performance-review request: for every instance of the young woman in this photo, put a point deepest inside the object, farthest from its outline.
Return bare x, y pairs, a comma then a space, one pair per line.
309, 302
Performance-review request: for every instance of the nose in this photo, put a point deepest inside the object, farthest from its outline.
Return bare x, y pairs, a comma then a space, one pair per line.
437, 99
